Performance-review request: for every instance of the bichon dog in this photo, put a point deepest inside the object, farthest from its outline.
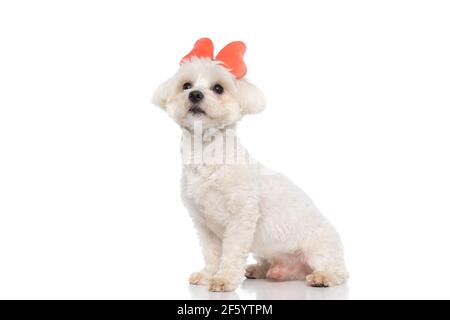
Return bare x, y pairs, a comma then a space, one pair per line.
238, 206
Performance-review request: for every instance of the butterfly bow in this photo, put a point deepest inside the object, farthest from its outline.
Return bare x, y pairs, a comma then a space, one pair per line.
231, 56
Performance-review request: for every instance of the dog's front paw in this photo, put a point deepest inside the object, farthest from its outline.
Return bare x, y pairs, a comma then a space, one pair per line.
223, 283
325, 279
200, 278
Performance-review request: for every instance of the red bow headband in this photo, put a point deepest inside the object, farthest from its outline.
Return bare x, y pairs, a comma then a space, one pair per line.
231, 56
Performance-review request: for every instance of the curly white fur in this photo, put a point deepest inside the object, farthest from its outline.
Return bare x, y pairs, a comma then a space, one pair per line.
238, 206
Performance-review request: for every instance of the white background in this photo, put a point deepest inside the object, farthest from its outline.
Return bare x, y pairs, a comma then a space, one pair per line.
358, 116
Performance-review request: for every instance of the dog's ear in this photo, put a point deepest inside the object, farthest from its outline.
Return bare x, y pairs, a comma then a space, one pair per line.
251, 98
161, 94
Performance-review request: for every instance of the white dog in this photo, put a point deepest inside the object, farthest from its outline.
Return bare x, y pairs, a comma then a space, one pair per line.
238, 206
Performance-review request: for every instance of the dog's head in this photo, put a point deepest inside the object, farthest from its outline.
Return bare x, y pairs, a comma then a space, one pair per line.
209, 90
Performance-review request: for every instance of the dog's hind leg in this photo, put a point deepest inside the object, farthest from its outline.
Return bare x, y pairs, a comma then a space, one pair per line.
328, 268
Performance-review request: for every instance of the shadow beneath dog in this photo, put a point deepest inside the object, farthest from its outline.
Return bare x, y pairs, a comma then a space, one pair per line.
202, 293
272, 290
292, 290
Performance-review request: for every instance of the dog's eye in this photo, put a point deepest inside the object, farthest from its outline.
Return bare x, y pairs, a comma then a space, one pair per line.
218, 89
187, 86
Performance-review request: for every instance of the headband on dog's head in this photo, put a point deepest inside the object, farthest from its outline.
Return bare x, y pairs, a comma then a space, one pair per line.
231, 56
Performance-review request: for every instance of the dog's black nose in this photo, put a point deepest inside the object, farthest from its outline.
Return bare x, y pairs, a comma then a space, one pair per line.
196, 96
